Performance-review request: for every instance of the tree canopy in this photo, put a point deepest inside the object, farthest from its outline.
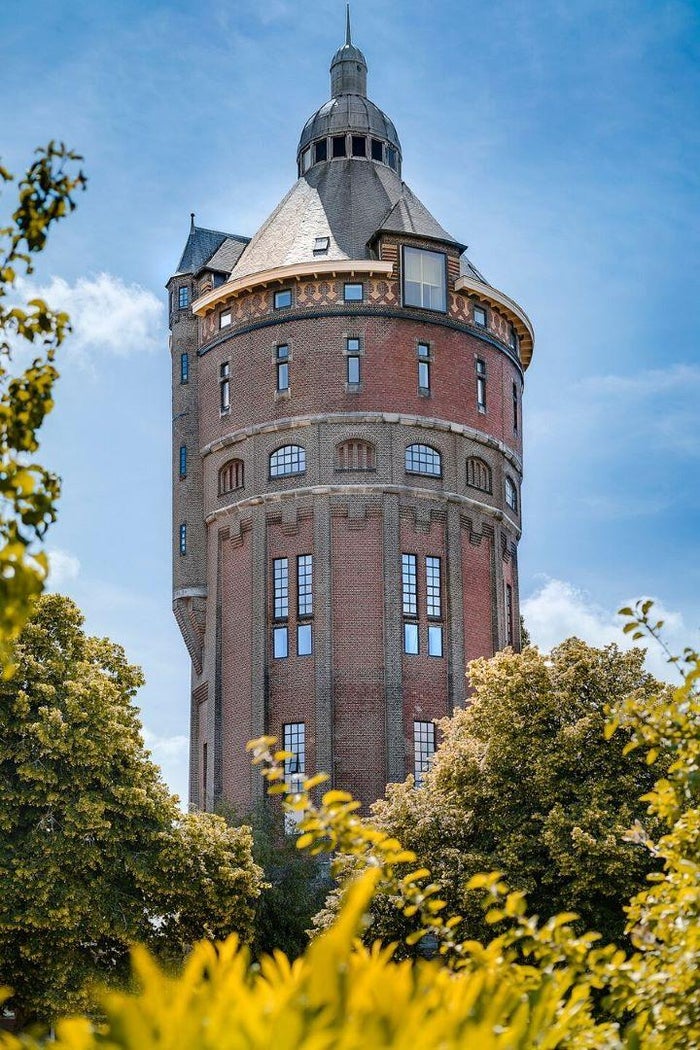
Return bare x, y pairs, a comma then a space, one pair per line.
525, 783
28, 492
94, 851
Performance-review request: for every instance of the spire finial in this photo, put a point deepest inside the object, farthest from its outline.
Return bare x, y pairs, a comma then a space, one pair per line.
348, 38
191, 220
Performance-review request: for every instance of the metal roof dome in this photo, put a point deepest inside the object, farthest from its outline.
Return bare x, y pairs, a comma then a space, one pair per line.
349, 113
349, 109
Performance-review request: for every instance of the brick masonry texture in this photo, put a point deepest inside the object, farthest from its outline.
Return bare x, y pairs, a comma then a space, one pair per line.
358, 694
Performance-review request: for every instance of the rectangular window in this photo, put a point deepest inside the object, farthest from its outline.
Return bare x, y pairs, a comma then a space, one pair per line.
305, 600
339, 145
391, 157
183, 297
225, 319
353, 293
513, 337
184, 368
283, 298
435, 640
280, 643
183, 461
409, 584
353, 367
410, 639
321, 245
294, 740
433, 588
509, 614
280, 583
423, 749
282, 358
321, 150
304, 639
377, 152
424, 279
424, 376
225, 387
183, 539
306, 160
480, 316
481, 384
515, 407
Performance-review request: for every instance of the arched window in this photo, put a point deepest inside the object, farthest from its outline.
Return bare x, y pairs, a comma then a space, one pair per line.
231, 476
478, 474
511, 494
422, 459
290, 459
355, 454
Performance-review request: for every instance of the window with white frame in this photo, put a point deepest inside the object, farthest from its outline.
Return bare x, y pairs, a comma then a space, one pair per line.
422, 459
423, 750
183, 297
280, 588
433, 587
424, 279
290, 459
511, 494
480, 316
282, 299
305, 600
424, 359
282, 367
409, 584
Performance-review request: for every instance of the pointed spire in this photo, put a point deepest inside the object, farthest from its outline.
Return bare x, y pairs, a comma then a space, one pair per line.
191, 221
349, 66
348, 37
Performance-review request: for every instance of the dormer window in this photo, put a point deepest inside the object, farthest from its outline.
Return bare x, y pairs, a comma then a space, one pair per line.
424, 279
321, 245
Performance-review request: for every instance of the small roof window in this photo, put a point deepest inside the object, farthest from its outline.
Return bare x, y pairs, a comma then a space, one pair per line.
321, 245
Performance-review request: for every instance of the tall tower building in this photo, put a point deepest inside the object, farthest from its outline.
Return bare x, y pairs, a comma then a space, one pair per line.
347, 460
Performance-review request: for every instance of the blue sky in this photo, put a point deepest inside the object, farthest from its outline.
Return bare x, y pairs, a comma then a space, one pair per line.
560, 140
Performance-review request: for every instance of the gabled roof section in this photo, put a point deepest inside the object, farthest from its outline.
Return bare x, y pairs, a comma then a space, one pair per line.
409, 215
225, 258
201, 245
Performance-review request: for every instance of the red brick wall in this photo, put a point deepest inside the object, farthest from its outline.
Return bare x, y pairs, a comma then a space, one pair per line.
476, 571
236, 635
358, 657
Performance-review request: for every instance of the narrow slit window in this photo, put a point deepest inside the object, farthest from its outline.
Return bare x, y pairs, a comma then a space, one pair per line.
305, 601
183, 539
184, 368
424, 368
480, 384
509, 614
433, 581
515, 407
409, 584
282, 367
511, 495
225, 387
183, 461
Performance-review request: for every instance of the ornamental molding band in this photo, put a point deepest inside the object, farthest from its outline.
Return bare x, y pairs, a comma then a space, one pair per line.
347, 427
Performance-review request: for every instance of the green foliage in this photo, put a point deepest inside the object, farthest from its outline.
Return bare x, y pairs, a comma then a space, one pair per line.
294, 888
28, 492
94, 851
533, 985
525, 783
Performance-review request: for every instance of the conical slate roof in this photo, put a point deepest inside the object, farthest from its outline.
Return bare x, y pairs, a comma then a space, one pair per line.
348, 201
202, 245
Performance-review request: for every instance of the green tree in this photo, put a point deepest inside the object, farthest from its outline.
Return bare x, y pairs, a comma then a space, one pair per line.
94, 851
525, 783
28, 492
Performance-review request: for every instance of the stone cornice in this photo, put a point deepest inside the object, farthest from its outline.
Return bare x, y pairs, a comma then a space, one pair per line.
403, 419
268, 499
516, 315
281, 274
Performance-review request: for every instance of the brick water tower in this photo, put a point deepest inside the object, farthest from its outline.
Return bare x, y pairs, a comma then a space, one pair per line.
347, 460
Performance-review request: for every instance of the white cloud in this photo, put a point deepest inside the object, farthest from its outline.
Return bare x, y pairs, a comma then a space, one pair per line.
107, 315
63, 568
559, 610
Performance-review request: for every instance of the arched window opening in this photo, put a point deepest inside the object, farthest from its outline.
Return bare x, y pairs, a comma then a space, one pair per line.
356, 454
478, 474
422, 459
231, 476
290, 459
